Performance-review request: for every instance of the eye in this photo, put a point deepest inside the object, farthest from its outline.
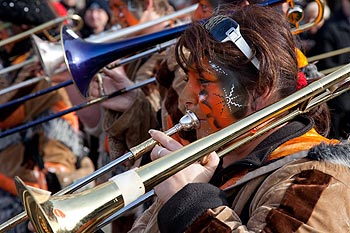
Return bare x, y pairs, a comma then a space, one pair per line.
203, 80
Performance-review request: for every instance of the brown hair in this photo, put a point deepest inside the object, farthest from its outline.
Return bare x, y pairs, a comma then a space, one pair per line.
269, 36
266, 33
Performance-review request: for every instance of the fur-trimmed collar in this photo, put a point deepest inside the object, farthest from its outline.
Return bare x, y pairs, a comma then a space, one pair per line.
334, 153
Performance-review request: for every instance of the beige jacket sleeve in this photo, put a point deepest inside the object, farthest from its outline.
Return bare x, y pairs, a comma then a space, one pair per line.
147, 222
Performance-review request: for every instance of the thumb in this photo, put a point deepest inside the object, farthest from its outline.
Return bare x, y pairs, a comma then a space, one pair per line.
211, 161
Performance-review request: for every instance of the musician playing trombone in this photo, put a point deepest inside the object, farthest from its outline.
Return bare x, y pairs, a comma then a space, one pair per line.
290, 179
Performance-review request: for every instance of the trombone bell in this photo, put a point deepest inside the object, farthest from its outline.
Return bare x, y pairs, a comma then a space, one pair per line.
80, 212
49, 53
85, 59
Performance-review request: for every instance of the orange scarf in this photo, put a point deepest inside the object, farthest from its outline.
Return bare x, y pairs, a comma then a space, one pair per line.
295, 145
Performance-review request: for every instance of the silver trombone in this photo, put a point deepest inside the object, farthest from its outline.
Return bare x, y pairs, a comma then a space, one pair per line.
18, 66
44, 49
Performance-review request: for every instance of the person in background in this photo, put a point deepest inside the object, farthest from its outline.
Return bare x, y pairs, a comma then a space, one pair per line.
67, 7
71, 6
205, 8
96, 16
308, 37
335, 35
50, 155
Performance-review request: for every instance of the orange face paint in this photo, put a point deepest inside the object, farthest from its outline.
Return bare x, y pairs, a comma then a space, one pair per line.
203, 11
221, 98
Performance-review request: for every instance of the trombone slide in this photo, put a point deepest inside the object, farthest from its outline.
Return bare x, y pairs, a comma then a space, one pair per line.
120, 193
40, 28
187, 122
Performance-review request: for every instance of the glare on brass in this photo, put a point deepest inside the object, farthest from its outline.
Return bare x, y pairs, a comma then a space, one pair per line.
328, 55
295, 14
85, 59
41, 28
82, 212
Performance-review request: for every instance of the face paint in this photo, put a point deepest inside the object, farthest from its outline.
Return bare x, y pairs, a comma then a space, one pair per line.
221, 98
203, 11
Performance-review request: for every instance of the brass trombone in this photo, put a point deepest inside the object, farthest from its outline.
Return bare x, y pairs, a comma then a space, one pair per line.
187, 122
328, 55
41, 28
58, 214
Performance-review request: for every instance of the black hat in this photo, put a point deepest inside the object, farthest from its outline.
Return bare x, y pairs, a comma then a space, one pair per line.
29, 12
103, 4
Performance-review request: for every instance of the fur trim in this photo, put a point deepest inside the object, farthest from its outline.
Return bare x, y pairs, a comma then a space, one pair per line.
334, 153
56, 129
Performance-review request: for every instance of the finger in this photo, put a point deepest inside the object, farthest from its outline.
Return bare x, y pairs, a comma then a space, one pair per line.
212, 161
158, 152
94, 89
119, 77
166, 141
30, 227
114, 73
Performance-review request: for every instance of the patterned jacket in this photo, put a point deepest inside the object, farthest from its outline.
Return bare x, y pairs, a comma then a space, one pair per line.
54, 142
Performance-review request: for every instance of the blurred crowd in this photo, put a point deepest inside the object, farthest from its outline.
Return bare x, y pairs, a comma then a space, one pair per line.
60, 151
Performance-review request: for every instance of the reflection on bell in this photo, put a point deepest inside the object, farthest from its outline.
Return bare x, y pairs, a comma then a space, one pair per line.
295, 14
85, 59
79, 212
50, 54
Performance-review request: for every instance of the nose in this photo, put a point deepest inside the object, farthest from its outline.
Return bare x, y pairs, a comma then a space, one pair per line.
188, 97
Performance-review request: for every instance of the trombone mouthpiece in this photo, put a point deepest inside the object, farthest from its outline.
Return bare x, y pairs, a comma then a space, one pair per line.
189, 121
